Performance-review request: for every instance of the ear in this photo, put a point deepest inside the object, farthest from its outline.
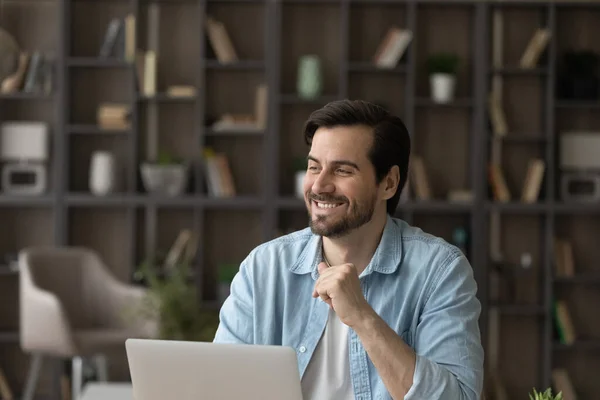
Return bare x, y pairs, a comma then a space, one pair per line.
390, 183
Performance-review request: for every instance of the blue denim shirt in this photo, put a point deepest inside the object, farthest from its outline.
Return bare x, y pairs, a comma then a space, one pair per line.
422, 286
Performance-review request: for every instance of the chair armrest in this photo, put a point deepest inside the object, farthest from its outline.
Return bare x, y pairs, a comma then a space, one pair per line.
44, 326
125, 300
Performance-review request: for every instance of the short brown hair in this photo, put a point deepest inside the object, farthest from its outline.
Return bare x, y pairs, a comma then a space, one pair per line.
391, 141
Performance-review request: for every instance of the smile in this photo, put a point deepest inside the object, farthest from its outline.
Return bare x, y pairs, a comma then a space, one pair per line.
327, 205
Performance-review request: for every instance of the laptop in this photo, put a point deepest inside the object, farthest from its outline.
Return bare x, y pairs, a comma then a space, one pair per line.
165, 369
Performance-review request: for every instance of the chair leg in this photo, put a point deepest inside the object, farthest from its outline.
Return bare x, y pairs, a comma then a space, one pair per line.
33, 376
77, 377
101, 364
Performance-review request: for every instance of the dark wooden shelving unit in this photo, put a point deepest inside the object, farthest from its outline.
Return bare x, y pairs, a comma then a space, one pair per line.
454, 140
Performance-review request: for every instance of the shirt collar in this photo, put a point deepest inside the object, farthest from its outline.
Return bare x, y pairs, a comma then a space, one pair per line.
386, 259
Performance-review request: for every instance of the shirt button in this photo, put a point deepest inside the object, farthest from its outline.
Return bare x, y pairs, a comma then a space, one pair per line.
302, 349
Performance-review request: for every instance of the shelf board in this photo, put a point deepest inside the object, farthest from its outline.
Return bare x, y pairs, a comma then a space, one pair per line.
241, 65
582, 278
209, 131
27, 96
165, 98
96, 62
582, 344
143, 199
26, 200
519, 3
91, 129
434, 206
6, 271
291, 203
9, 336
577, 104
576, 208
295, 99
520, 138
457, 103
517, 207
234, 203
369, 67
88, 199
519, 309
519, 71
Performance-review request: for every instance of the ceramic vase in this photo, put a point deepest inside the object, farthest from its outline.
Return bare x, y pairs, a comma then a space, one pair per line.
102, 173
309, 84
442, 87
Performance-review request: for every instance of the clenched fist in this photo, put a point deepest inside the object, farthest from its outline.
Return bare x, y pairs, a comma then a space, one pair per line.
339, 287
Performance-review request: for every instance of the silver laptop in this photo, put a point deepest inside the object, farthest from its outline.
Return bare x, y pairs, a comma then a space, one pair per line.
163, 369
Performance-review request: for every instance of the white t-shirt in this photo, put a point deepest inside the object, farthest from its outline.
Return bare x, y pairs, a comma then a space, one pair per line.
327, 375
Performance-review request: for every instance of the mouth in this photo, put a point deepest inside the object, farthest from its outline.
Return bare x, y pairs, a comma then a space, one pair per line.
323, 205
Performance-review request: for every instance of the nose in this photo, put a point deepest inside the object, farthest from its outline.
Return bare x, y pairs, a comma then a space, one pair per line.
322, 183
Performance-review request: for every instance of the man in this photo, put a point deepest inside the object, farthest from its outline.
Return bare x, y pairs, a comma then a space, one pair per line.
374, 307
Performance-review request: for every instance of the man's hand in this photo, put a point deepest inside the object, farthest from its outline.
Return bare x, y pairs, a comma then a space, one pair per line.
339, 287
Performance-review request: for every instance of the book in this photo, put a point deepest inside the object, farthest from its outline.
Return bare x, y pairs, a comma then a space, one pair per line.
564, 323
563, 258
498, 183
533, 181
534, 48
111, 36
392, 47
418, 176
220, 40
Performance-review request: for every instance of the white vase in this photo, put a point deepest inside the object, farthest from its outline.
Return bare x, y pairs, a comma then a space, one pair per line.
102, 173
442, 87
299, 184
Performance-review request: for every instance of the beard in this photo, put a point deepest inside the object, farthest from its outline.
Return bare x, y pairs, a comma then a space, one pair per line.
338, 226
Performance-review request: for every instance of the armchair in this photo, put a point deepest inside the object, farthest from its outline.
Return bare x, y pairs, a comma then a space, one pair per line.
72, 307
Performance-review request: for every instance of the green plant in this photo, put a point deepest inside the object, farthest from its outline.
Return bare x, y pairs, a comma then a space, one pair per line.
300, 164
442, 63
166, 158
547, 395
173, 302
227, 272
583, 63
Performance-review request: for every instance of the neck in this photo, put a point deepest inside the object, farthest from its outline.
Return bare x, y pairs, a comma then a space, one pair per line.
357, 247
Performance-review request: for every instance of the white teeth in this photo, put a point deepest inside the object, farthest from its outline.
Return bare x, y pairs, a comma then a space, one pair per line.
326, 205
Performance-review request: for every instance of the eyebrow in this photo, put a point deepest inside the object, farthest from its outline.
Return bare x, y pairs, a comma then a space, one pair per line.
337, 162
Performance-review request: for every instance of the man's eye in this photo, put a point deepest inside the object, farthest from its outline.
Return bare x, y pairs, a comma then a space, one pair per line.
343, 171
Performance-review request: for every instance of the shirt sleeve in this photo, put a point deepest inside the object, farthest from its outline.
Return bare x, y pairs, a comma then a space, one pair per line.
236, 315
447, 341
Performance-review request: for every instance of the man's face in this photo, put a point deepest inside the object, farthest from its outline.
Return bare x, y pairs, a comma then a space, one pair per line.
339, 187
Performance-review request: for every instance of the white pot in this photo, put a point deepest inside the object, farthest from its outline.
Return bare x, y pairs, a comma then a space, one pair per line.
299, 184
167, 180
102, 173
442, 87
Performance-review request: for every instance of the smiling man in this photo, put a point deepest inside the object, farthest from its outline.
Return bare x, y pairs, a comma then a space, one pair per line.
375, 308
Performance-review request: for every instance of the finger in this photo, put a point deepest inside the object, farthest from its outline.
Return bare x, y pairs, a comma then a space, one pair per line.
322, 267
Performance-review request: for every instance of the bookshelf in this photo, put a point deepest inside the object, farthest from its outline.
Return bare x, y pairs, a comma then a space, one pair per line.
454, 139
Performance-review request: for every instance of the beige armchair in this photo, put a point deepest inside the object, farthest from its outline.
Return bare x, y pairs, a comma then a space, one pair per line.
72, 307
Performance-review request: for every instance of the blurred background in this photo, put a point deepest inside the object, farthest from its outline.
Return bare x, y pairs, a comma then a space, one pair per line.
156, 143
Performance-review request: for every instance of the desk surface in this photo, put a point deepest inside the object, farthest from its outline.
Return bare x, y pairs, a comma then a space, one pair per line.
107, 391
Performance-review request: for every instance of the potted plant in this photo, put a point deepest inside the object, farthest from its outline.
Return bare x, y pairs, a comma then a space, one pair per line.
547, 395
442, 69
578, 77
300, 166
172, 300
226, 274
165, 176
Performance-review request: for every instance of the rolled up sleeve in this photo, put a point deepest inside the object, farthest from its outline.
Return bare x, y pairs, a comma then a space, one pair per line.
447, 341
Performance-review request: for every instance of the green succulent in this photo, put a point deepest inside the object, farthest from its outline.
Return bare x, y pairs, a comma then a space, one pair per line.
547, 395
443, 63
